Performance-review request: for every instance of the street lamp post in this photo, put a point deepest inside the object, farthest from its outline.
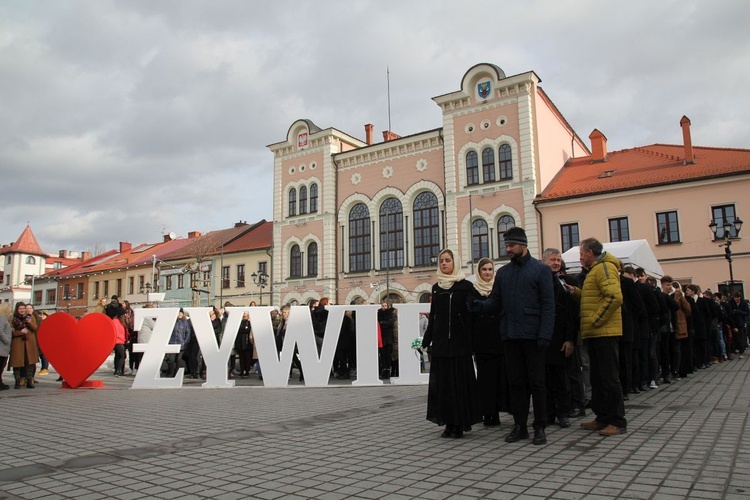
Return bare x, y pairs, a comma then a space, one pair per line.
260, 279
726, 237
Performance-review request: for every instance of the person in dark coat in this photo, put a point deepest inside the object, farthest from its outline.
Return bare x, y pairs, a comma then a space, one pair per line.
492, 377
344, 348
562, 344
452, 396
319, 321
524, 296
386, 320
244, 346
633, 315
649, 331
740, 312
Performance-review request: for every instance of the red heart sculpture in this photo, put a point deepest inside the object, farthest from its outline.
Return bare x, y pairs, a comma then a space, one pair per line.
76, 348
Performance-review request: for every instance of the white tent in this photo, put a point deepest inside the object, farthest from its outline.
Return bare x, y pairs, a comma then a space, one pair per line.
636, 253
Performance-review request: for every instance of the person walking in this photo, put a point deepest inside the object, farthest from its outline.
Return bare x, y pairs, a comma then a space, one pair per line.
452, 398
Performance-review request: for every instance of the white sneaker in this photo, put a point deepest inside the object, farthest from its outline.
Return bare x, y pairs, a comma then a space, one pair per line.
653, 385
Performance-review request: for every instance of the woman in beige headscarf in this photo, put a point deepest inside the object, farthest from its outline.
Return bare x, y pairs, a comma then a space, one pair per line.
452, 394
492, 380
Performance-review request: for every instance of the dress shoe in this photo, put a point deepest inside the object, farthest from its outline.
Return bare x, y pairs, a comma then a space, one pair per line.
447, 432
539, 437
625, 397
593, 426
563, 422
612, 430
457, 433
635, 390
577, 412
518, 433
644, 388
495, 420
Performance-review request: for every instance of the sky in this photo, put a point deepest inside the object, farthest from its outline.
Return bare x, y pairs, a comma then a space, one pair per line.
128, 120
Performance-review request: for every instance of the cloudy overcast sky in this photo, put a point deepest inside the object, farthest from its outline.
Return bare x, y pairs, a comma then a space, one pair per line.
123, 120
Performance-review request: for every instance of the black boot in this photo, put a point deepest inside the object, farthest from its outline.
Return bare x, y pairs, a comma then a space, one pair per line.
518, 433
17, 377
539, 436
447, 432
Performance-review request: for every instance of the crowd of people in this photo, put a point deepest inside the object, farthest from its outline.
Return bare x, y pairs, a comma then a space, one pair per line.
566, 343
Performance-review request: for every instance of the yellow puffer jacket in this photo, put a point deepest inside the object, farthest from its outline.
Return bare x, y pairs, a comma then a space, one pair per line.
601, 298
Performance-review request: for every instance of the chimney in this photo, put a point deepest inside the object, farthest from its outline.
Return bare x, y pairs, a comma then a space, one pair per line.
389, 136
193, 234
63, 254
368, 133
167, 238
240, 223
125, 246
687, 140
85, 256
598, 145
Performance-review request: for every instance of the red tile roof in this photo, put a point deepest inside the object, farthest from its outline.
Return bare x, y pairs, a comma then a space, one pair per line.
236, 239
642, 167
26, 243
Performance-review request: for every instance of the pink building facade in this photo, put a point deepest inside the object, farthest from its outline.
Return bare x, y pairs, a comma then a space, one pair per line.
665, 194
359, 221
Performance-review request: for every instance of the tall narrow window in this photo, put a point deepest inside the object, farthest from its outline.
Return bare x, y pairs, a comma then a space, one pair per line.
180, 281
426, 228
668, 227
313, 198
618, 229
225, 281
569, 236
295, 262
131, 285
359, 238
240, 275
96, 289
119, 287
503, 224
391, 234
506, 162
312, 259
472, 168
480, 242
302, 200
168, 282
106, 289
721, 214
79, 290
292, 202
488, 164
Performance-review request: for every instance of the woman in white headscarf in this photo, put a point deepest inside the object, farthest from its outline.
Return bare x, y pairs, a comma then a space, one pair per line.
492, 380
452, 398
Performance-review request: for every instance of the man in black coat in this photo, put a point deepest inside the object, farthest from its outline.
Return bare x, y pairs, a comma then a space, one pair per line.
562, 344
649, 331
524, 293
633, 314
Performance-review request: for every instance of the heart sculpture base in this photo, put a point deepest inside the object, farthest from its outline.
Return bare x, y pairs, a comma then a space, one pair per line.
86, 384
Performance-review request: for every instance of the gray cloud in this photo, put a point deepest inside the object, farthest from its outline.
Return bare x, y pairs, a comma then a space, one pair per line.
124, 119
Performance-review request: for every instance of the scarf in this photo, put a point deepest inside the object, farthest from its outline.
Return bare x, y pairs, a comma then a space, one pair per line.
483, 287
445, 281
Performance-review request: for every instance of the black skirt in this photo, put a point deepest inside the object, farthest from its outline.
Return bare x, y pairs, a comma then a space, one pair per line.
452, 396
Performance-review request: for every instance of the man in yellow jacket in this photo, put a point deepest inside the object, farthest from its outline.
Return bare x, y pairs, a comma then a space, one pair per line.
600, 299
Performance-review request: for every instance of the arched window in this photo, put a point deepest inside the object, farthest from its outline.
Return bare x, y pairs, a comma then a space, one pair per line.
506, 162
426, 229
313, 198
30, 260
292, 202
302, 200
391, 234
359, 238
503, 224
488, 165
480, 242
472, 168
295, 262
312, 259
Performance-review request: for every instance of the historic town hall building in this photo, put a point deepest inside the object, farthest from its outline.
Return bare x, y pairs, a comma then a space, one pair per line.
359, 221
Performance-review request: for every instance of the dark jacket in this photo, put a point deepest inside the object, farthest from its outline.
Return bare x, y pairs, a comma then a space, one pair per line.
386, 321
449, 329
242, 340
319, 320
485, 334
525, 299
648, 297
566, 321
739, 313
181, 333
633, 310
